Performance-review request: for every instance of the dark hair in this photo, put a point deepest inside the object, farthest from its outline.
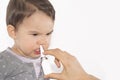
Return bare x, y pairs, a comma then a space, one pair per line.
17, 10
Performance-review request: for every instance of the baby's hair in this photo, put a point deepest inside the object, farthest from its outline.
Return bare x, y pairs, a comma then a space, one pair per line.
17, 10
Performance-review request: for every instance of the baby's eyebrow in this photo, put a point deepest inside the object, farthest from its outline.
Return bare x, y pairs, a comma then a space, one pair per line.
41, 33
33, 32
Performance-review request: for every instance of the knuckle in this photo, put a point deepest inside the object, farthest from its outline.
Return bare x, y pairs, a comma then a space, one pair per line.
57, 49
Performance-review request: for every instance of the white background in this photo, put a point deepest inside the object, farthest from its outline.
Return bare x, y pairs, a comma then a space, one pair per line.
88, 29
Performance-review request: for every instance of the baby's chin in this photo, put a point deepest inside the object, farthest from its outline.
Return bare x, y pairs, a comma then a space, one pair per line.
35, 55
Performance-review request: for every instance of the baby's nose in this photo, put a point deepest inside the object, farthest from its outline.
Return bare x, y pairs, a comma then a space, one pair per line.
42, 40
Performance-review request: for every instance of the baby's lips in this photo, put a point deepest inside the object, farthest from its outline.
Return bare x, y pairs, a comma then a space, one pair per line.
37, 52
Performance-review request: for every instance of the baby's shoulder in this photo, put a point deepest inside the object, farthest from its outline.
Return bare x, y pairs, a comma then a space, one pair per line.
4, 64
8, 63
7, 60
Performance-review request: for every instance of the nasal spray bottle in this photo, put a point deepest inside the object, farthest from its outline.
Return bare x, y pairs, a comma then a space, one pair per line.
47, 64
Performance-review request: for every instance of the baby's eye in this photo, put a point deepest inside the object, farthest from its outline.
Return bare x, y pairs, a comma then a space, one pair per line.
48, 34
34, 34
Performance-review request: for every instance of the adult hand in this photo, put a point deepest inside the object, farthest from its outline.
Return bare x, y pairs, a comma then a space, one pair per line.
72, 68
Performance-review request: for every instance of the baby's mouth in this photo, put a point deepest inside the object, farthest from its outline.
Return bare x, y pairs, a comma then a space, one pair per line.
37, 52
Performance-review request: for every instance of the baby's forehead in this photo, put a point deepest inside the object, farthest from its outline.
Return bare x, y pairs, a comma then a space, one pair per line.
39, 17
38, 21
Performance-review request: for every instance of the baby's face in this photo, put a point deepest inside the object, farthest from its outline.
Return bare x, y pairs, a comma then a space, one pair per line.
34, 31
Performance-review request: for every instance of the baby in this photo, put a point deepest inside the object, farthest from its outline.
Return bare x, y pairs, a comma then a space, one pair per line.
30, 24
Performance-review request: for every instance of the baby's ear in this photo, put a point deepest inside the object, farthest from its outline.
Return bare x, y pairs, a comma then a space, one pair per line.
11, 31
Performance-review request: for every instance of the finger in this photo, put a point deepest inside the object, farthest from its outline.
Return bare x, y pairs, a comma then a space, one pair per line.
62, 56
57, 62
53, 76
57, 53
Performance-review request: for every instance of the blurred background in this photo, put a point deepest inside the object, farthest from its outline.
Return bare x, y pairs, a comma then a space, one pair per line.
87, 29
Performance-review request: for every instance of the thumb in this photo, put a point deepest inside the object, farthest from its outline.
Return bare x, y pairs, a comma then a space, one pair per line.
53, 76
